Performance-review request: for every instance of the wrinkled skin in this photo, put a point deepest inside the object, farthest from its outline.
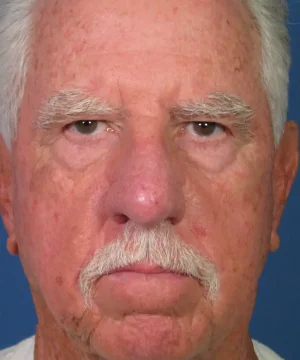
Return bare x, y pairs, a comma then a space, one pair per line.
63, 196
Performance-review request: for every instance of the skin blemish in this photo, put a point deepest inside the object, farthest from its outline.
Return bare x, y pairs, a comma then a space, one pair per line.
59, 280
56, 216
200, 231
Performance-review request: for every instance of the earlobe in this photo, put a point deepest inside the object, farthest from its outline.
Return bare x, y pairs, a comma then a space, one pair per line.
6, 196
275, 242
12, 246
285, 169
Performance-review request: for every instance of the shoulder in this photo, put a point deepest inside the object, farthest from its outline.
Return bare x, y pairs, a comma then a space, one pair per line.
264, 353
22, 351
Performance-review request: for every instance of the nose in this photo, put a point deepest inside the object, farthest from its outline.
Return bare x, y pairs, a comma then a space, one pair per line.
146, 187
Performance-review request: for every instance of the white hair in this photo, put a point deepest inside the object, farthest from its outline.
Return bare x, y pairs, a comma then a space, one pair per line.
270, 17
158, 245
16, 23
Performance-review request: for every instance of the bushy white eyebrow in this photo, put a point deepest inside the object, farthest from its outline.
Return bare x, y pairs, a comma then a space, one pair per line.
75, 104
219, 106
216, 105
71, 104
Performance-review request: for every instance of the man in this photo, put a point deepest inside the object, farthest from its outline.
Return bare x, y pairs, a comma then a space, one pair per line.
145, 164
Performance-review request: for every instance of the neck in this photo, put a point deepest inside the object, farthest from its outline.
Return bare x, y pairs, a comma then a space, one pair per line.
52, 342
53, 347
236, 348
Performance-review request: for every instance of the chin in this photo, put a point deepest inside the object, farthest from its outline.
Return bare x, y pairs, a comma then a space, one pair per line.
145, 337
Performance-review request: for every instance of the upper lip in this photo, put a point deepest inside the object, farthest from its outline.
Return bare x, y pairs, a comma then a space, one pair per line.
143, 268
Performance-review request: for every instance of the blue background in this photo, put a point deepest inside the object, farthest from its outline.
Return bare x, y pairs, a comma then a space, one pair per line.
276, 319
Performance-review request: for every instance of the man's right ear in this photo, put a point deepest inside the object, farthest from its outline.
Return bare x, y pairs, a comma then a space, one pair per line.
6, 196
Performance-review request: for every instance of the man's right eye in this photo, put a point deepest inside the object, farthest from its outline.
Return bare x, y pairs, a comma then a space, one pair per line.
87, 127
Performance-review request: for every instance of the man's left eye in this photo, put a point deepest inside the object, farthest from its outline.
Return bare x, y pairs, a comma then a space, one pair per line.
205, 129
87, 127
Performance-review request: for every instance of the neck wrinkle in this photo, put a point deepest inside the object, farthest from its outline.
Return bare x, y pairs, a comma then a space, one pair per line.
236, 348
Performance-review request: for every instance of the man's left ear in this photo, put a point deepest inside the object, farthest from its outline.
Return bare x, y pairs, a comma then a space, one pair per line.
285, 169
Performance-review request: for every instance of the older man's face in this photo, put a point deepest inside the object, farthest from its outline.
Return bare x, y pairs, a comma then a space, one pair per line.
78, 184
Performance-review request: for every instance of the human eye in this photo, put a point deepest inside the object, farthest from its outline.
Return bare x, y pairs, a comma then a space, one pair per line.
87, 127
205, 129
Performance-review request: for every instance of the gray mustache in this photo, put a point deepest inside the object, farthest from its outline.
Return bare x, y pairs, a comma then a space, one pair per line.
158, 245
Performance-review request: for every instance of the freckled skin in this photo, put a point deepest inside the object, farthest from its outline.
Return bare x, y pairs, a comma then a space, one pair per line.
146, 56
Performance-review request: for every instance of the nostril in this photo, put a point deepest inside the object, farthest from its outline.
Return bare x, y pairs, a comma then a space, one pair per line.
173, 220
121, 219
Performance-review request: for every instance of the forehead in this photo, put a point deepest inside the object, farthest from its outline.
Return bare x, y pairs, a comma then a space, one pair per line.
134, 20
78, 42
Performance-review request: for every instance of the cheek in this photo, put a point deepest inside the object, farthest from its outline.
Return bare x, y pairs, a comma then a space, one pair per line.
248, 231
246, 215
230, 220
56, 228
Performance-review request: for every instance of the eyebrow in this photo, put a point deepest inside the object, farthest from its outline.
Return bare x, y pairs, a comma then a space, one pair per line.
71, 104
75, 104
216, 107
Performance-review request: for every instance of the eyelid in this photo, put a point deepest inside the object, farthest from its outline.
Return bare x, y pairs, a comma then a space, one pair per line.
217, 125
225, 125
110, 124
74, 121
201, 119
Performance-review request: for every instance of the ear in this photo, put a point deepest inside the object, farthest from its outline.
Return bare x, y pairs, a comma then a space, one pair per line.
6, 196
285, 169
